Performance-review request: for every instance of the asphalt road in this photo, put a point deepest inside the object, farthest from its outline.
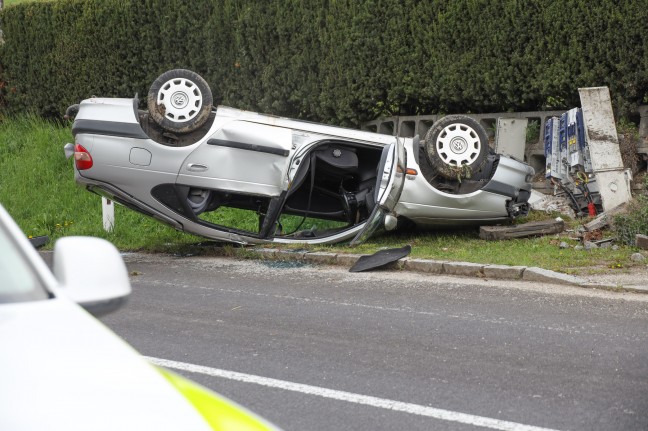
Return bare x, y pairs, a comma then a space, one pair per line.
318, 348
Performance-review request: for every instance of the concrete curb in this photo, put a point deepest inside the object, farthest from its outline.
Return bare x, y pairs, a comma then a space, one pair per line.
465, 269
539, 274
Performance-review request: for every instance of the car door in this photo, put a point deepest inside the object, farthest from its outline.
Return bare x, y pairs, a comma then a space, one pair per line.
241, 157
388, 188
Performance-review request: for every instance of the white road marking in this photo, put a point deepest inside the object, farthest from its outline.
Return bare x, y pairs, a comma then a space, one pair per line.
350, 397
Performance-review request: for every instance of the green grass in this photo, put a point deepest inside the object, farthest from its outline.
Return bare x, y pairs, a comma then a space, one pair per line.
37, 187
290, 223
248, 221
243, 220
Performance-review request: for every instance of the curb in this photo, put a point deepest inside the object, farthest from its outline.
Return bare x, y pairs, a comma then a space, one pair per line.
437, 267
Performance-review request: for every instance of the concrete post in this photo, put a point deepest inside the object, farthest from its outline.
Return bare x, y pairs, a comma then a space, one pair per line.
510, 137
613, 181
643, 122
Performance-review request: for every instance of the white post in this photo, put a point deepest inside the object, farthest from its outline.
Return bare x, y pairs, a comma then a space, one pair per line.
108, 211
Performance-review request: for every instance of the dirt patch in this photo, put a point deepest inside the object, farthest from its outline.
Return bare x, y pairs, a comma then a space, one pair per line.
594, 235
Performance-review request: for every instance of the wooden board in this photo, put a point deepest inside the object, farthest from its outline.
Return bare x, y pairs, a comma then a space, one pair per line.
536, 228
641, 241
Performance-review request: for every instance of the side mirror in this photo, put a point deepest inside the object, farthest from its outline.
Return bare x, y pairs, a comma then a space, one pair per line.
92, 273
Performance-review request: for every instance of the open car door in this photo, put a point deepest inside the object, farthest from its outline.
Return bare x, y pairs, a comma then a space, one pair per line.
342, 190
388, 188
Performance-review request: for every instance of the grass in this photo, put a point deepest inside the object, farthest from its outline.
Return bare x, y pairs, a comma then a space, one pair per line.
248, 221
37, 187
243, 220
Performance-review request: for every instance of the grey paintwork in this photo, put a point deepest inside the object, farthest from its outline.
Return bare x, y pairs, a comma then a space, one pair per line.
128, 166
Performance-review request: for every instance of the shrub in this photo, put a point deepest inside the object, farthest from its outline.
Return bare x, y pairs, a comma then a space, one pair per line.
342, 61
635, 220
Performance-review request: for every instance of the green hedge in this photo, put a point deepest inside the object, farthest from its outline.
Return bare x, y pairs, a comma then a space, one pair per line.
341, 61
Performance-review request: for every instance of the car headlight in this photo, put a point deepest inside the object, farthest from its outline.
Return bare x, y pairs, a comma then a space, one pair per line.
219, 412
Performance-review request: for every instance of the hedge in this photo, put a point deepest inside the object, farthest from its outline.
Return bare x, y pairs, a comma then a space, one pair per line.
339, 61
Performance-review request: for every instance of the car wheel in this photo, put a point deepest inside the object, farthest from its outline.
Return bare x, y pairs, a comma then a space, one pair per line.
456, 146
198, 199
180, 101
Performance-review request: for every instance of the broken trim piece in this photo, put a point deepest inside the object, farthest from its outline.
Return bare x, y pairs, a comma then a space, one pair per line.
380, 259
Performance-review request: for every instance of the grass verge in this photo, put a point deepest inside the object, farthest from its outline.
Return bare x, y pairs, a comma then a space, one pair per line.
37, 187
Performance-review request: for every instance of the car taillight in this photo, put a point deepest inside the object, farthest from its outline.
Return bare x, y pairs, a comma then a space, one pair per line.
82, 158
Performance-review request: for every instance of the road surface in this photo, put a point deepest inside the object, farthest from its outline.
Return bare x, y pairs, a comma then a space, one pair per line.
318, 348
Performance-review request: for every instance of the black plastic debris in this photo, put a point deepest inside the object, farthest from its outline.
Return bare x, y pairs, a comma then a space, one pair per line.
380, 258
39, 241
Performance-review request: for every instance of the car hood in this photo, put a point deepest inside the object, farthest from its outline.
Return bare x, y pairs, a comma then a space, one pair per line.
62, 369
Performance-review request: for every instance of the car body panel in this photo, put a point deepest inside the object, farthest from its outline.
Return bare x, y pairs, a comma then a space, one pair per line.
220, 412
63, 361
117, 110
230, 159
388, 190
429, 206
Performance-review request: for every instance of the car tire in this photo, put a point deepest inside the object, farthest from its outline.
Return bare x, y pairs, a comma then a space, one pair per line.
180, 101
198, 199
456, 146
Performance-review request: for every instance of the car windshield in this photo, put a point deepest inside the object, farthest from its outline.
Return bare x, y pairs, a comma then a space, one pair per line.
18, 281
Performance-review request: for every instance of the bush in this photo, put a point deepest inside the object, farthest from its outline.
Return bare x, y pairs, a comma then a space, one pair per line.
343, 61
634, 222
635, 219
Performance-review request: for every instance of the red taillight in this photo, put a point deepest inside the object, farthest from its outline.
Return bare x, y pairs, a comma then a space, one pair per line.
82, 158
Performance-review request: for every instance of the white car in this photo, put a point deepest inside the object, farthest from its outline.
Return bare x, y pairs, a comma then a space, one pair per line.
61, 369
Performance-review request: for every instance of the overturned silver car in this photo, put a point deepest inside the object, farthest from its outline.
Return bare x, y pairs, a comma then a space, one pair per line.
244, 177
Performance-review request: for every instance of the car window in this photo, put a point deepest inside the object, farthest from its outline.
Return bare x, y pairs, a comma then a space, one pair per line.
18, 281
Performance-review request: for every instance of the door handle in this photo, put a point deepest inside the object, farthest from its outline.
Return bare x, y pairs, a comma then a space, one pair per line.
196, 167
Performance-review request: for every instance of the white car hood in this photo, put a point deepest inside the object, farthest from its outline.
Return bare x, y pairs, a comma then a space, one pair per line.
60, 369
